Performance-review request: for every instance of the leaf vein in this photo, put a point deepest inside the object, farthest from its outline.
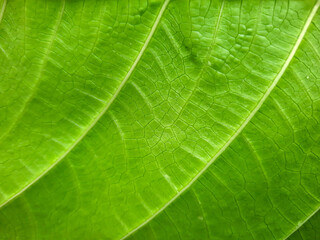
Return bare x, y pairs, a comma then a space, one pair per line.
104, 110
244, 124
3, 8
41, 69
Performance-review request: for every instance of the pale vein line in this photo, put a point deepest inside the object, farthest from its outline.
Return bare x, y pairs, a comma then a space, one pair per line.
214, 38
92, 124
4, 4
303, 222
243, 125
40, 72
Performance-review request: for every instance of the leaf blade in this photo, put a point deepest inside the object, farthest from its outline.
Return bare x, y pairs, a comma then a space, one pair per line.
146, 130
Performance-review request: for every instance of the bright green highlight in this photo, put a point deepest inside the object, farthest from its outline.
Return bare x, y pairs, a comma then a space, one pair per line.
159, 119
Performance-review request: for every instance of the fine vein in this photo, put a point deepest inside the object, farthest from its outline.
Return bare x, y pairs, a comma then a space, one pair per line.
303, 222
40, 72
243, 125
92, 124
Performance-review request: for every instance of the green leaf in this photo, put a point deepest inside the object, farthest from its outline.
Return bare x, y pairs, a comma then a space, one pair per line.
159, 119
310, 230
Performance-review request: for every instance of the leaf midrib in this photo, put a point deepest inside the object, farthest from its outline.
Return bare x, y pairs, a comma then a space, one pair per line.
104, 110
244, 124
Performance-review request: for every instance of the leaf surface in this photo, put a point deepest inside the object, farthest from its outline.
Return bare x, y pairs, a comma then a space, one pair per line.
159, 119
309, 230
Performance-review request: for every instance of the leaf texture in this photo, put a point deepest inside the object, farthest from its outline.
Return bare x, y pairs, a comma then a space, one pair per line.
159, 119
309, 230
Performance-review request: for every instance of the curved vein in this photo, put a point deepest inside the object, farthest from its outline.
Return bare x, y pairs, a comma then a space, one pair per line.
4, 5
300, 224
244, 124
212, 44
3, 8
41, 69
93, 123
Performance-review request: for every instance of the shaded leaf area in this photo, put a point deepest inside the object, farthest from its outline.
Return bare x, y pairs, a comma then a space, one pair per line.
309, 230
110, 109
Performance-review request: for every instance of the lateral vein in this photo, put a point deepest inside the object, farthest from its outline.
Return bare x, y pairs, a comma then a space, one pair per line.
4, 5
243, 125
302, 223
39, 75
104, 110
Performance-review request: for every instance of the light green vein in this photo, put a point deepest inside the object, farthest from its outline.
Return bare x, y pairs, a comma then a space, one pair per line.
4, 4
92, 124
202, 71
301, 223
244, 124
3, 8
42, 67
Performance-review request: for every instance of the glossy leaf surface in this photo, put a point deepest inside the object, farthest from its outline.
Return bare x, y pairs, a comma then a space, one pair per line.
159, 119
